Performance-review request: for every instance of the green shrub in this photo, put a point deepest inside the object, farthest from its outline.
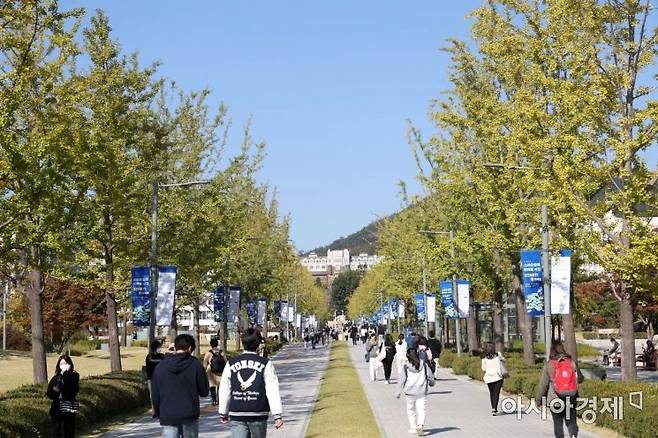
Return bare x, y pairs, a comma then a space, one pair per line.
585, 350
446, 358
474, 370
83, 346
460, 364
140, 343
24, 411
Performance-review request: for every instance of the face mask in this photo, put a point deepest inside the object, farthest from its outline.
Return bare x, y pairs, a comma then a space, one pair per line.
65, 367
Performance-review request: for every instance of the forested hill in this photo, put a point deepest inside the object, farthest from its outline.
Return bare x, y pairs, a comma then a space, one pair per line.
364, 240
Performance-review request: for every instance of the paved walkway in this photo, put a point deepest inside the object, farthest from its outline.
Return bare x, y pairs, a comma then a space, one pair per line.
300, 372
456, 407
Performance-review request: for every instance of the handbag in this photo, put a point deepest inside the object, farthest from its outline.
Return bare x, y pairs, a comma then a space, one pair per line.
68, 408
503, 370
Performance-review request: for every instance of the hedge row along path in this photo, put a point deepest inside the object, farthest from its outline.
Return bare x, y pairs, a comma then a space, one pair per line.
456, 407
300, 373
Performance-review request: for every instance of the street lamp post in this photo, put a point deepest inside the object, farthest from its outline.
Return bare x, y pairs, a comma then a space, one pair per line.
425, 322
154, 248
546, 266
5, 294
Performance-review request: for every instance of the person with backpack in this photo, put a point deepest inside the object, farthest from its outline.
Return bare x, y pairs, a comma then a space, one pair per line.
249, 390
214, 362
435, 348
62, 390
559, 380
494, 373
178, 382
389, 355
414, 380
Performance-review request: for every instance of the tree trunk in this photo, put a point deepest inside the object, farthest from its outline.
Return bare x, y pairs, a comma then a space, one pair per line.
628, 369
173, 328
112, 326
197, 336
569, 332
498, 327
471, 328
524, 322
33, 291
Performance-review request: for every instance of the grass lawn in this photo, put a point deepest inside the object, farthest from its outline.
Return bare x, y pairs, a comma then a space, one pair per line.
342, 409
17, 366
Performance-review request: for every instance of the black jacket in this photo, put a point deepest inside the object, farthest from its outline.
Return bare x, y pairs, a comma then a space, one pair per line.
177, 383
65, 385
435, 347
152, 361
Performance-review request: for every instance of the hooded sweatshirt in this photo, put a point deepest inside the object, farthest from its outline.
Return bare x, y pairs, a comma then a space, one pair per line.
415, 382
177, 383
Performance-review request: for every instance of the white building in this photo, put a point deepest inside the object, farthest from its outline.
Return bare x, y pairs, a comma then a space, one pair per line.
337, 261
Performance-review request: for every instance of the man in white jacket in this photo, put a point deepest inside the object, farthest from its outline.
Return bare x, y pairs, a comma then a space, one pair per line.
249, 390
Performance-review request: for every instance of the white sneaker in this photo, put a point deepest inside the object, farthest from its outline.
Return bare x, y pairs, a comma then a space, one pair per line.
419, 430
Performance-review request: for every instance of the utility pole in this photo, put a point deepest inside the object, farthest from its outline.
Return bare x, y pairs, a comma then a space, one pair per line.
294, 323
458, 331
425, 322
546, 267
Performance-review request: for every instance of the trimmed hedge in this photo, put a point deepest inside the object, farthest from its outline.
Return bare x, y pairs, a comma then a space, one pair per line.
24, 411
446, 358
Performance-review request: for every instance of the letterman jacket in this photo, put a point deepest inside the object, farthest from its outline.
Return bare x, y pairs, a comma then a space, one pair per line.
249, 389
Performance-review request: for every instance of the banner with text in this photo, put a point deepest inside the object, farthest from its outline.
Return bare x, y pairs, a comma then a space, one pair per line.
166, 295
234, 304
420, 306
561, 283
218, 303
533, 287
251, 312
262, 311
401, 309
291, 313
278, 305
141, 295
463, 297
448, 300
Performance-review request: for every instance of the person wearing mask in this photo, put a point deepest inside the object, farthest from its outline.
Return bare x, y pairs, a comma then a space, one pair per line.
559, 380
62, 390
252, 375
494, 372
414, 381
152, 360
400, 352
389, 356
214, 362
435, 349
178, 382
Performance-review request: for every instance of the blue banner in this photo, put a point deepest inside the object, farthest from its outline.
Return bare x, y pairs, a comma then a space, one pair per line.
141, 296
251, 312
262, 311
234, 304
277, 309
393, 308
448, 299
420, 306
533, 287
218, 303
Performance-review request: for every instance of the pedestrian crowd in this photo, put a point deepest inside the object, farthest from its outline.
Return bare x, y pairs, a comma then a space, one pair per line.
417, 364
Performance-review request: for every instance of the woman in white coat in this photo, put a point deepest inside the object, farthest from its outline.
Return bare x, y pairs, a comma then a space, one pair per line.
377, 353
400, 352
494, 373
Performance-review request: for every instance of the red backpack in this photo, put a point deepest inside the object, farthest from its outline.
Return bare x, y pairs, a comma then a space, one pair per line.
565, 380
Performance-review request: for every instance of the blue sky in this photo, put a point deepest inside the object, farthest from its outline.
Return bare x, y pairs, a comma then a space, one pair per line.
329, 84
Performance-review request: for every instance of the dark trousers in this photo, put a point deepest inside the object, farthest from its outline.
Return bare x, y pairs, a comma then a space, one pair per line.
353, 340
387, 368
494, 393
213, 394
560, 419
67, 423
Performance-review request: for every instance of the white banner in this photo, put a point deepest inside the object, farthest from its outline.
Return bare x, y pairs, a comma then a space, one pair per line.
431, 307
298, 322
234, 305
262, 311
291, 313
401, 309
463, 297
166, 295
561, 283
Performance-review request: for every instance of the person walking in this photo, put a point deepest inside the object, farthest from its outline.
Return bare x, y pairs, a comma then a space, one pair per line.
389, 355
178, 382
494, 373
400, 352
435, 349
214, 362
414, 380
364, 334
62, 390
153, 358
375, 356
248, 391
353, 334
558, 390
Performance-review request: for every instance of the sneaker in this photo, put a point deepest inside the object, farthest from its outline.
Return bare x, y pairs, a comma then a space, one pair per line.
494, 412
419, 430
387, 382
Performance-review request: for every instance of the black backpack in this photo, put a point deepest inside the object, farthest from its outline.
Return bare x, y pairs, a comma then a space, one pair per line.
217, 363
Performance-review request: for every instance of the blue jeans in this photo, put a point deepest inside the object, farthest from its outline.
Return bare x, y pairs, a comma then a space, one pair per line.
185, 430
248, 429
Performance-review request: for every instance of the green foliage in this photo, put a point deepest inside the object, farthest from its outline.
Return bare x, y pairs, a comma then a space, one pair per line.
343, 287
446, 358
80, 347
461, 364
24, 411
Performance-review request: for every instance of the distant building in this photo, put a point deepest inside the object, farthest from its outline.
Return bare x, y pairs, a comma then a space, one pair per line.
326, 268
